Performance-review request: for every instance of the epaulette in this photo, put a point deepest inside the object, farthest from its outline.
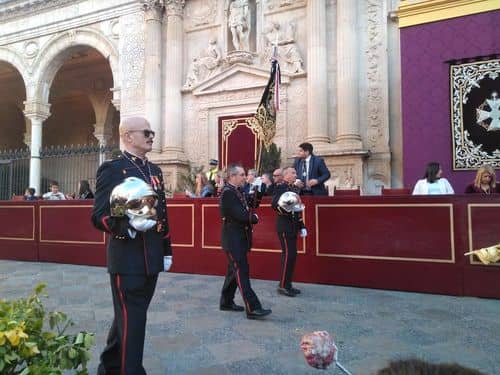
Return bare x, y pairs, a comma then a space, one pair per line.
116, 159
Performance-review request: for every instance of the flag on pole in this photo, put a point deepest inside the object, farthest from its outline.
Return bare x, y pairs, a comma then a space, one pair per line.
265, 117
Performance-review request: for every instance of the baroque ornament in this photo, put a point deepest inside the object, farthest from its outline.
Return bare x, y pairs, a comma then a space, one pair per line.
493, 114
475, 114
174, 7
202, 13
374, 97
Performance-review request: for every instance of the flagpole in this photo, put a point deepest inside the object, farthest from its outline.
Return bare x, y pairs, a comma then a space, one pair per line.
274, 57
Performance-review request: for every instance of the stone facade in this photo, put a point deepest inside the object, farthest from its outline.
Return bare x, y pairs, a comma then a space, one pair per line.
185, 63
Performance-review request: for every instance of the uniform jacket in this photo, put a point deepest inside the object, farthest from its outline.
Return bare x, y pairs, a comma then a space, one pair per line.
237, 219
317, 170
142, 255
286, 222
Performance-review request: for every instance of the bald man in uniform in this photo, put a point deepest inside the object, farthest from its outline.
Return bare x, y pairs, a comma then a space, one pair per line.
136, 252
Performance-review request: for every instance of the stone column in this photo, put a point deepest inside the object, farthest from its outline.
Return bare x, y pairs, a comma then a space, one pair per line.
153, 14
317, 90
27, 132
173, 130
102, 138
37, 112
348, 137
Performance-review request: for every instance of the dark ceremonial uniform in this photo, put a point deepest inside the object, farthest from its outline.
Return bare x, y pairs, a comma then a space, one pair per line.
236, 238
288, 225
133, 263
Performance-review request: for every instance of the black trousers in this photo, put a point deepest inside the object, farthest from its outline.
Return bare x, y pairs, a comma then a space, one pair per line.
125, 344
238, 276
288, 243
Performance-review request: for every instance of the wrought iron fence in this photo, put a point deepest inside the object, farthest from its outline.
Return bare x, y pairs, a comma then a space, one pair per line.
65, 164
14, 172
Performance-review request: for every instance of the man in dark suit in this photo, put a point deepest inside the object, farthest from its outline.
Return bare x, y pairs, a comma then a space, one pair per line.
236, 238
311, 170
137, 250
288, 225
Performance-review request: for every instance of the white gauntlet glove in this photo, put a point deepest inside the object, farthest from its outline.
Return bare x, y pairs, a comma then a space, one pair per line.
167, 262
303, 232
141, 224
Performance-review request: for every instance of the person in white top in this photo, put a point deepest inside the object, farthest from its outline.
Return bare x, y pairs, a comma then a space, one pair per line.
433, 183
54, 194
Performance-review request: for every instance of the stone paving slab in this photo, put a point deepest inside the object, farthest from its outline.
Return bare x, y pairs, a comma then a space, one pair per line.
187, 334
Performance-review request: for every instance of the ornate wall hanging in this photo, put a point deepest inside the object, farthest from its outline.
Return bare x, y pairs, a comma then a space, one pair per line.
475, 114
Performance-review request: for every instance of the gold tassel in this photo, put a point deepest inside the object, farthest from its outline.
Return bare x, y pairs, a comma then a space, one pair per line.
487, 255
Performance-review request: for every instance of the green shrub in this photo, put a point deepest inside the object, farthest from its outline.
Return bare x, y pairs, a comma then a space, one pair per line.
26, 348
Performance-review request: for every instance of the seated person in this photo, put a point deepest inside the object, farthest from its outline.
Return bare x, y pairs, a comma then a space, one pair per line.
29, 194
220, 181
54, 194
267, 181
433, 183
84, 191
485, 182
203, 188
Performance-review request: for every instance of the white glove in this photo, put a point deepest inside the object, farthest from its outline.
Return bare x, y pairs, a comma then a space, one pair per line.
142, 224
131, 233
303, 232
167, 262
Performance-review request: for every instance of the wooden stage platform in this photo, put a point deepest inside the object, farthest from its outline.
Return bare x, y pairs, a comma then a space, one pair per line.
392, 242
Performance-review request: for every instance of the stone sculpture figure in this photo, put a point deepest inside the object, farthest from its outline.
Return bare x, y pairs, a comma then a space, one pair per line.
204, 65
288, 53
239, 23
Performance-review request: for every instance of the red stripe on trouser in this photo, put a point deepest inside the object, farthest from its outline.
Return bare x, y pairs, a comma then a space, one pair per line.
125, 325
238, 281
283, 271
103, 221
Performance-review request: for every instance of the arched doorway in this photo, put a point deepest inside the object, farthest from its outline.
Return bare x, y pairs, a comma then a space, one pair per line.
82, 120
14, 163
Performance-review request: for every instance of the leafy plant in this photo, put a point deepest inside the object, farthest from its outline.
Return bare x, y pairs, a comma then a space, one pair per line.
270, 159
27, 349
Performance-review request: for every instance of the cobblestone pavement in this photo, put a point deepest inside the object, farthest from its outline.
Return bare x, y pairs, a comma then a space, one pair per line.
187, 334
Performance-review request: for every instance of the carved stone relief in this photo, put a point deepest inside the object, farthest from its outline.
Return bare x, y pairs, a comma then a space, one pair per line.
174, 7
376, 100
200, 13
283, 41
196, 133
274, 6
296, 116
31, 49
132, 51
205, 65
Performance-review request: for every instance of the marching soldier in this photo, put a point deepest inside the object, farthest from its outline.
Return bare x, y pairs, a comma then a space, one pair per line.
237, 221
289, 224
137, 250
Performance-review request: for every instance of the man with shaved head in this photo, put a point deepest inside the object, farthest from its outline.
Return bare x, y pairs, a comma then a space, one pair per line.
138, 250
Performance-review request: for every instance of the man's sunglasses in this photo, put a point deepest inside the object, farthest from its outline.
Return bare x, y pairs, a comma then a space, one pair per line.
147, 133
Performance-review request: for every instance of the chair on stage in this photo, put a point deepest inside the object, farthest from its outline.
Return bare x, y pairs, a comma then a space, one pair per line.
398, 191
346, 192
